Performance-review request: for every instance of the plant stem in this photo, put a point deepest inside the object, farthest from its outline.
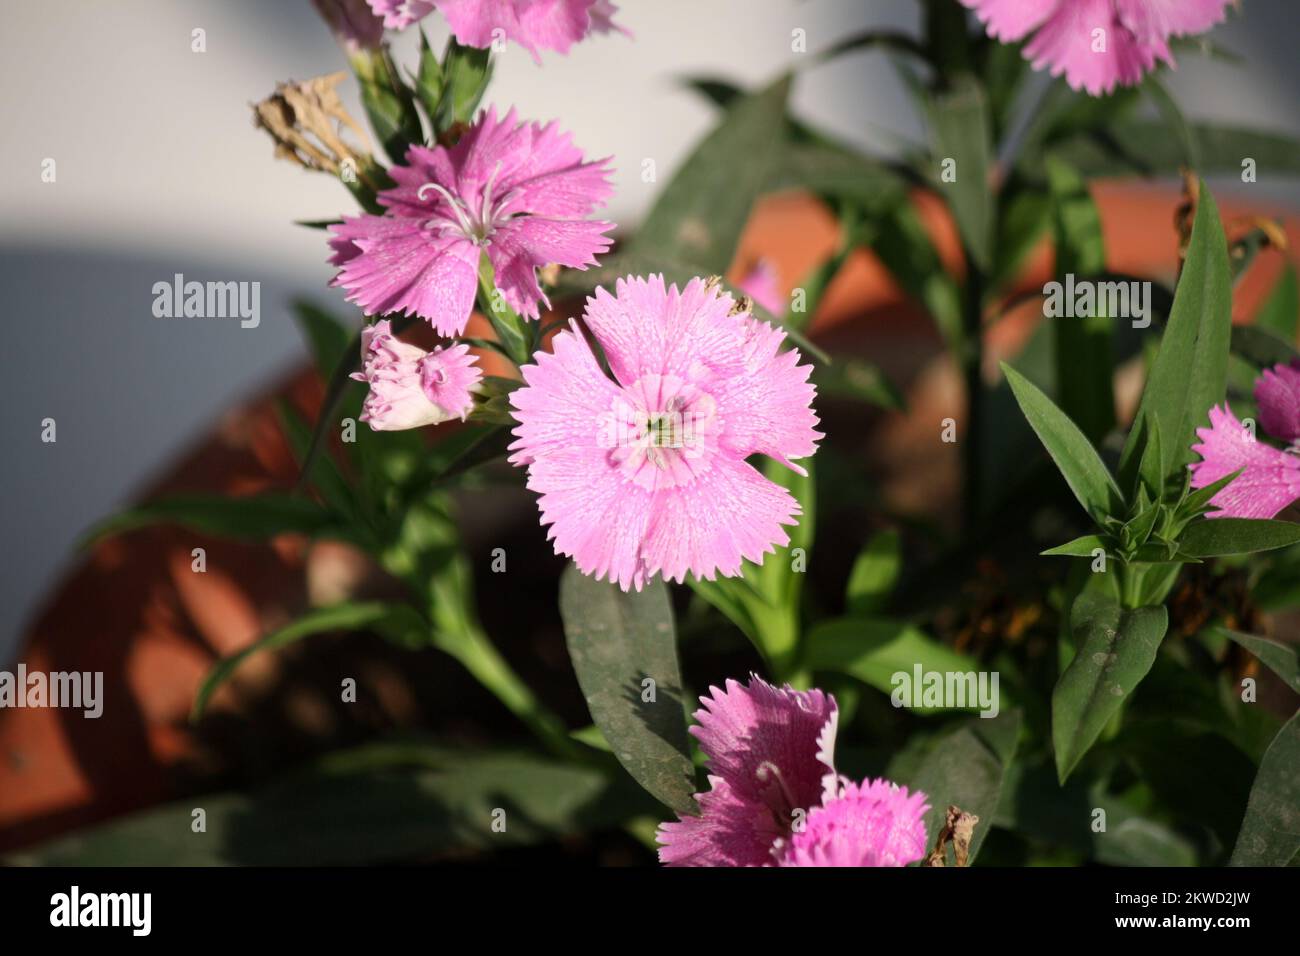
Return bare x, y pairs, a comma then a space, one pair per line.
972, 360
472, 647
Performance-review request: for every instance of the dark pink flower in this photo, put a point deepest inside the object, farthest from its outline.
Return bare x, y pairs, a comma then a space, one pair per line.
1270, 477
774, 797
517, 191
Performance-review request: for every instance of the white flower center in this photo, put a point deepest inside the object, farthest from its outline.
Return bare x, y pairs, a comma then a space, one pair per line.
476, 223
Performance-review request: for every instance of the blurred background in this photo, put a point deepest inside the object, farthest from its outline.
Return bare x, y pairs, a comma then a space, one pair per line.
160, 171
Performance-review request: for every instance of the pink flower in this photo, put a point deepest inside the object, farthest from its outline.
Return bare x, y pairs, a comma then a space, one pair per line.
875, 823
352, 22
644, 473
535, 25
1270, 477
774, 797
760, 283
1097, 43
410, 387
515, 190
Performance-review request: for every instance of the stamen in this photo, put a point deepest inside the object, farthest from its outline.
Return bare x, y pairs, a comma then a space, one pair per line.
770, 773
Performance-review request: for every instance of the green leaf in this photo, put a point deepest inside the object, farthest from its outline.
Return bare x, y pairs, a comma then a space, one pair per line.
617, 640
399, 622
1174, 121
247, 518
1144, 146
388, 802
850, 377
1190, 372
1270, 833
1077, 459
1151, 464
959, 124
515, 337
1084, 362
907, 251
325, 475
1282, 307
964, 765
1262, 347
466, 72
1081, 547
874, 574
428, 81
700, 214
1116, 648
875, 650
389, 103
1215, 537
1282, 659
328, 338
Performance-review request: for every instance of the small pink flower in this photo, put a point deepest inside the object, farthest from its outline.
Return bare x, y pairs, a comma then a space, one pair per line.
645, 473
354, 23
761, 284
535, 25
1097, 43
774, 797
515, 190
875, 823
1270, 477
410, 387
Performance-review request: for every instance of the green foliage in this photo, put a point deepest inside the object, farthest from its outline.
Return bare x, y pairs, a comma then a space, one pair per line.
618, 641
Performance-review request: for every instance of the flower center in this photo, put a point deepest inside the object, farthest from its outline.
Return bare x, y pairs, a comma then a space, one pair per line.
776, 793
660, 431
473, 221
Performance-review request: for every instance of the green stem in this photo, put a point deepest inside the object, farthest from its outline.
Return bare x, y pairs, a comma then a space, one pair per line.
972, 360
472, 647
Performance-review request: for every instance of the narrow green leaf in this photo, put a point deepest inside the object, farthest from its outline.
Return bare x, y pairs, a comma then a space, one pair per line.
389, 103
700, 214
1215, 537
396, 621
1270, 833
1282, 659
960, 130
325, 476
1081, 547
1116, 648
907, 251
1151, 464
327, 337
1261, 346
877, 650
1281, 309
382, 803
1083, 349
963, 766
1190, 372
854, 378
248, 518
618, 641
874, 574
466, 72
1077, 459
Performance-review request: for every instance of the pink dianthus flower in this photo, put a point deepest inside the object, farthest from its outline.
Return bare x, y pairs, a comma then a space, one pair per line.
644, 473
